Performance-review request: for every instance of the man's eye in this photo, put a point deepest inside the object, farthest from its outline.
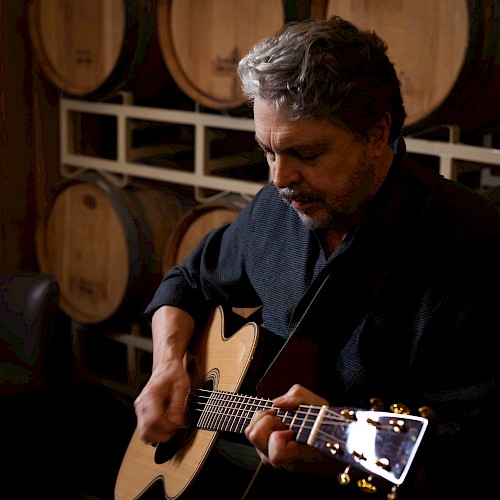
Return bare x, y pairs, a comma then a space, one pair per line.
307, 157
265, 152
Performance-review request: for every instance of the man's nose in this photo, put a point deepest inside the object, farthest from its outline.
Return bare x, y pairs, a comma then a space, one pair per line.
284, 171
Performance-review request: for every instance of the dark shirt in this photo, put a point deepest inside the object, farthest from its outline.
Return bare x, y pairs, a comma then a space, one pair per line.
405, 309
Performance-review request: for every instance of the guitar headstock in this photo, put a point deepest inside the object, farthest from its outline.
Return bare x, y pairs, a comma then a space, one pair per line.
379, 443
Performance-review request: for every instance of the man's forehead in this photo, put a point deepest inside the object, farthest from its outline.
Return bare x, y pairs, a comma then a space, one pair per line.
289, 143
301, 134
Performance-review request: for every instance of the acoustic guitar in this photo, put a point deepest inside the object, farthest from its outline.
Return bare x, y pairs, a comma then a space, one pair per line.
381, 444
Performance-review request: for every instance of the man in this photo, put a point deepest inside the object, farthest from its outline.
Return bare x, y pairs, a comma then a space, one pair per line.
378, 272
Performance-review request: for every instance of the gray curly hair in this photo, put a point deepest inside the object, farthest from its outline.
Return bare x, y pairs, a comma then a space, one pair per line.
325, 68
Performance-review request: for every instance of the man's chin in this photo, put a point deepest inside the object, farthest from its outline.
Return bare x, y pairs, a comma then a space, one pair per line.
310, 222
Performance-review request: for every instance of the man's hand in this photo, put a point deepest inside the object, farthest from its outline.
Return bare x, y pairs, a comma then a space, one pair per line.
161, 406
275, 443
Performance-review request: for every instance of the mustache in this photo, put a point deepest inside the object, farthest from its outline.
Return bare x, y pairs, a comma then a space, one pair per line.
291, 194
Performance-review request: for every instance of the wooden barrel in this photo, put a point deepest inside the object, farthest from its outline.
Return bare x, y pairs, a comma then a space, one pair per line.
203, 40
95, 48
191, 228
105, 245
446, 55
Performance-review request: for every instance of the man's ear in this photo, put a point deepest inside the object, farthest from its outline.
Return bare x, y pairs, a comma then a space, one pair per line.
379, 134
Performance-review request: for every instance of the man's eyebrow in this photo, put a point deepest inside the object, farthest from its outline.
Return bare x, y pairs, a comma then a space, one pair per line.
296, 148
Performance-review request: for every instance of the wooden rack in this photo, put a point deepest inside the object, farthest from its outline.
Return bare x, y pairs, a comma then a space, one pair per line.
203, 123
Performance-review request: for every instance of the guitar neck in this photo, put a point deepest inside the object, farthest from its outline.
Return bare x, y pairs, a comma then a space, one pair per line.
381, 443
226, 411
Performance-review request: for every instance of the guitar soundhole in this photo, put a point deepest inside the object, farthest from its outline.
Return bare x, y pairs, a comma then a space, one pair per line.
165, 451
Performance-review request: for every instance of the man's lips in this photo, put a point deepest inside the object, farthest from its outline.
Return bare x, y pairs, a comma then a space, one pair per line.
299, 204
303, 205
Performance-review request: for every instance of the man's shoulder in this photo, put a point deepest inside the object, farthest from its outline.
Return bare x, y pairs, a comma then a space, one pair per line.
465, 207
451, 200
463, 221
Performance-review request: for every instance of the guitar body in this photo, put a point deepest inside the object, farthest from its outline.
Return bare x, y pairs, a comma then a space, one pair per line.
217, 361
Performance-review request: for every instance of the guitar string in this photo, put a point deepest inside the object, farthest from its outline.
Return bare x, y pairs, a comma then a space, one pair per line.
256, 403
243, 406
327, 437
303, 427
307, 420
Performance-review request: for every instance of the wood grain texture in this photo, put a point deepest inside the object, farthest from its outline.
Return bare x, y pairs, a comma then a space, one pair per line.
78, 42
105, 245
203, 40
427, 43
224, 361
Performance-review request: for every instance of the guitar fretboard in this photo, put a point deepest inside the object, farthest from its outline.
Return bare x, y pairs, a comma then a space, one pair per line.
380, 442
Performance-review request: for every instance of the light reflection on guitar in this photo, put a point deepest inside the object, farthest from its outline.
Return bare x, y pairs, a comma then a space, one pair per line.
379, 443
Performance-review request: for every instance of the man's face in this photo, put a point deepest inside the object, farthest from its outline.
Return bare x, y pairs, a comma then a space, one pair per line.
320, 169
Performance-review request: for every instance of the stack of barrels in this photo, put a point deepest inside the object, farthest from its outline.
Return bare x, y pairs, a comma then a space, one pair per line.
108, 245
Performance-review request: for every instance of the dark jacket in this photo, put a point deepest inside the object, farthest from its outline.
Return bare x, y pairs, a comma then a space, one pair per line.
405, 310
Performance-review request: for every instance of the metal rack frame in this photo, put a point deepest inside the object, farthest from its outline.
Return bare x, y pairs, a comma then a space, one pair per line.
71, 164
447, 152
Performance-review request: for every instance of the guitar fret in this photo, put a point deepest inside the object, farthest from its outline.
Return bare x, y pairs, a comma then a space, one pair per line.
224, 416
204, 402
211, 403
220, 410
218, 417
233, 413
214, 411
286, 417
240, 420
246, 414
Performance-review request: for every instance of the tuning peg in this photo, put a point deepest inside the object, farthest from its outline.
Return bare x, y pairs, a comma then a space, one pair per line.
400, 409
357, 455
393, 494
375, 423
377, 404
427, 412
348, 414
334, 448
366, 485
343, 477
383, 463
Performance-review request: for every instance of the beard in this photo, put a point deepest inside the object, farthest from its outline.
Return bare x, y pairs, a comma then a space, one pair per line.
335, 217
